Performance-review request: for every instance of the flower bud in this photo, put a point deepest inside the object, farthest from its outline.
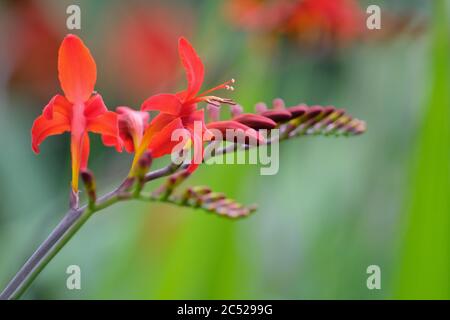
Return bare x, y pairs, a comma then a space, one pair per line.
260, 107
236, 110
278, 116
255, 121
89, 183
278, 104
298, 111
213, 112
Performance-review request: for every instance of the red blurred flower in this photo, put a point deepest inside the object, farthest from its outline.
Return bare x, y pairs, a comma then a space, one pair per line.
79, 111
30, 41
315, 21
147, 37
261, 15
179, 111
312, 22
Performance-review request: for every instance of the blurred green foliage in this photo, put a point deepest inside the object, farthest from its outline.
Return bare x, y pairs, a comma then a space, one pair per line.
425, 261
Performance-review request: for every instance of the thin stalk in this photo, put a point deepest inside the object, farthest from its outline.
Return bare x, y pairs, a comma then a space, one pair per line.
50, 254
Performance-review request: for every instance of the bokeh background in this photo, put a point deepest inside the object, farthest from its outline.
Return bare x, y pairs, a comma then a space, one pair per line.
336, 206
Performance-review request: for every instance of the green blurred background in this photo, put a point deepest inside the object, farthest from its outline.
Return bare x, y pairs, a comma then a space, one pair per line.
336, 206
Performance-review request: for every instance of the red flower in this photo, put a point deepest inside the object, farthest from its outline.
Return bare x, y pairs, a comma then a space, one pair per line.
80, 110
180, 110
338, 21
311, 22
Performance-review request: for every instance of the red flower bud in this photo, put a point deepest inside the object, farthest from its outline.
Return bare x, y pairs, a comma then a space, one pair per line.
255, 121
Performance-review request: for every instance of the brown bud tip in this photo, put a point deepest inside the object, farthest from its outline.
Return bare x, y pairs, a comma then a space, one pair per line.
277, 115
87, 177
255, 121
146, 160
313, 112
298, 111
278, 104
326, 111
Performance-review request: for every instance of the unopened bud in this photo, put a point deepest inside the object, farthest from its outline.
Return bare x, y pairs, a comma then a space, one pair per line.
298, 111
278, 103
277, 115
255, 121
236, 110
260, 107
213, 112
172, 182
89, 183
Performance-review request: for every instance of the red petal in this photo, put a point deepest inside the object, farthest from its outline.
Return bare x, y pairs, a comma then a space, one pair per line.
77, 69
161, 143
110, 141
60, 105
198, 115
193, 66
94, 106
106, 125
79, 148
166, 103
85, 152
43, 127
157, 124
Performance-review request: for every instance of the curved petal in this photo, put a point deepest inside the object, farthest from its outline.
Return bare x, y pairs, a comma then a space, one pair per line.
76, 69
43, 127
156, 125
195, 71
94, 107
60, 105
106, 125
161, 143
165, 103
110, 141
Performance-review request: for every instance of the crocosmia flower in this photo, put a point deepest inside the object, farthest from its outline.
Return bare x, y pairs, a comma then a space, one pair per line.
179, 111
80, 110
